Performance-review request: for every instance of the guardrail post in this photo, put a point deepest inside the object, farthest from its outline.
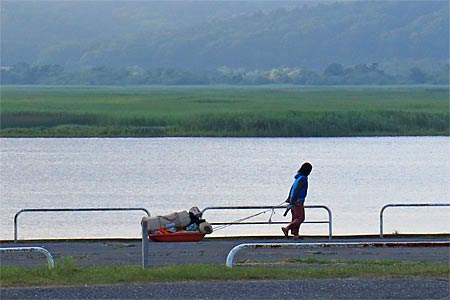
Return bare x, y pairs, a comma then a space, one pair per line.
144, 244
15, 225
330, 221
381, 220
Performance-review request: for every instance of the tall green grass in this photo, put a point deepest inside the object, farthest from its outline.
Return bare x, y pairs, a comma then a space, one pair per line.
223, 111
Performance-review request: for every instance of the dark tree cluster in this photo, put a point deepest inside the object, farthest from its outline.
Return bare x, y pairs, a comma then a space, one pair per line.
334, 74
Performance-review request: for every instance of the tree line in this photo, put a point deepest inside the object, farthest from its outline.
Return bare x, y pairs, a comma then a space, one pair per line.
333, 74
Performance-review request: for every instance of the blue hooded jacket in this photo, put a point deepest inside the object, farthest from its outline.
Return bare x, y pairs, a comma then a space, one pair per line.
299, 188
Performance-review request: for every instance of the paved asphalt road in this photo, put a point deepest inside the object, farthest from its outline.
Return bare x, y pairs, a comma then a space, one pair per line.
391, 288
212, 251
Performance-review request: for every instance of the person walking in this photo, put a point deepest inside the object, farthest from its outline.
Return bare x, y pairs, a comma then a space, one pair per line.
296, 199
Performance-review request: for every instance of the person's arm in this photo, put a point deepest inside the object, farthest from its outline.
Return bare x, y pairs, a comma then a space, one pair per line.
300, 185
288, 199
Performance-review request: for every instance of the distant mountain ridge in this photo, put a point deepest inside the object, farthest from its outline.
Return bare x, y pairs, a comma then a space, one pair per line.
210, 34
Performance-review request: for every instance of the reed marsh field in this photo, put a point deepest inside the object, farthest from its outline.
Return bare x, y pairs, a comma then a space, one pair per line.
223, 111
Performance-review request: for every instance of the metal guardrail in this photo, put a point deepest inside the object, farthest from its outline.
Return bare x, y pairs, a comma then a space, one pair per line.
48, 255
329, 222
72, 210
405, 205
236, 249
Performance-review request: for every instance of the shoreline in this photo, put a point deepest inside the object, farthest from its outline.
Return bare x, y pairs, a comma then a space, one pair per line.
406, 236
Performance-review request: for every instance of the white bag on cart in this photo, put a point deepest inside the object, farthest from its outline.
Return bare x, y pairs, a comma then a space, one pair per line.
178, 220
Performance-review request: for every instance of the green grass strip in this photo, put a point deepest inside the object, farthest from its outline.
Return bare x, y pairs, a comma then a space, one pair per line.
67, 273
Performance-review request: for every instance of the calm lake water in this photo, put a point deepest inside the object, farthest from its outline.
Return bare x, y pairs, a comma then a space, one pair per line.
354, 177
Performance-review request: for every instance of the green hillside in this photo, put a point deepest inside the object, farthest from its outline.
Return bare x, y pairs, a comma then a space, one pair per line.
205, 35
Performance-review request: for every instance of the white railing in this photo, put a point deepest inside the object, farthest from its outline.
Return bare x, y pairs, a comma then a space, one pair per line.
47, 254
405, 205
231, 255
92, 209
329, 221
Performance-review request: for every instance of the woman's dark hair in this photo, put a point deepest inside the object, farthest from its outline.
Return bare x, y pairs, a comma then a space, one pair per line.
305, 169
